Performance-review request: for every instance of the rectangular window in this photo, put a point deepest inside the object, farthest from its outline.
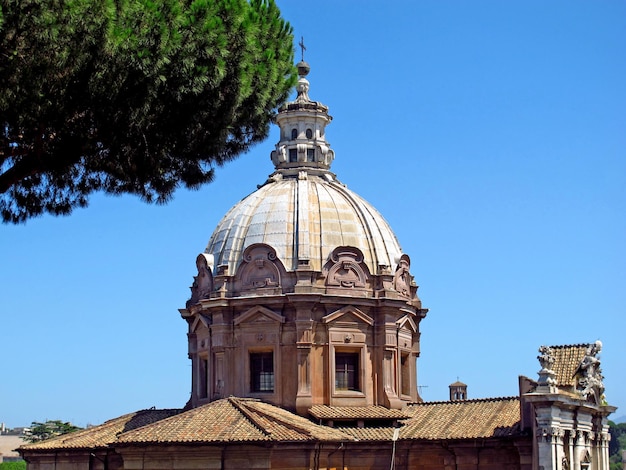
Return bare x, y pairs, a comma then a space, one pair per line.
310, 155
347, 371
405, 374
203, 389
262, 372
293, 155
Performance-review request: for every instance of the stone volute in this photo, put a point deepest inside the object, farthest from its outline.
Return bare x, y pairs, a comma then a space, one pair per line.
303, 295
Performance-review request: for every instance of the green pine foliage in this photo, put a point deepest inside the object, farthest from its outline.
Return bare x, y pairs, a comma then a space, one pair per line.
132, 96
617, 444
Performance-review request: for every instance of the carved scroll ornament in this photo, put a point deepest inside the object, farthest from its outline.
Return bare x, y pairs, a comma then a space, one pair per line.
260, 267
402, 278
202, 283
345, 268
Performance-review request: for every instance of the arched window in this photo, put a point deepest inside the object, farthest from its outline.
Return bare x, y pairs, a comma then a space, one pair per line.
309, 134
294, 134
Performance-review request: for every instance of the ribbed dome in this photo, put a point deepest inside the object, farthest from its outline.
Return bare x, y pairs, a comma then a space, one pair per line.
304, 219
302, 211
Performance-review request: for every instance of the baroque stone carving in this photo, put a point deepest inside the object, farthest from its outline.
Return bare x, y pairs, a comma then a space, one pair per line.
345, 268
589, 375
546, 359
402, 279
203, 282
260, 267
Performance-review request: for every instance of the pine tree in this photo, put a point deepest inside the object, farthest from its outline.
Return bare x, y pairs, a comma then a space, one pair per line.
49, 429
132, 96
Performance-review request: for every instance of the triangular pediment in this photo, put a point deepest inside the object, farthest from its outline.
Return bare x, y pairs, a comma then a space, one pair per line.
200, 322
408, 323
348, 313
259, 314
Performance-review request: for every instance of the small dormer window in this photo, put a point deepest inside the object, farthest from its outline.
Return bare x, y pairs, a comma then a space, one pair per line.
294, 134
309, 134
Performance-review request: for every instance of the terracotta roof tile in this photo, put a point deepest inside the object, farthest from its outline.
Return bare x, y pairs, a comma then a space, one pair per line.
355, 412
214, 422
104, 434
493, 417
277, 418
369, 434
567, 360
250, 420
232, 420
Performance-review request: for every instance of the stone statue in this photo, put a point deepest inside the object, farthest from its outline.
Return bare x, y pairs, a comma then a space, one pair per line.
589, 374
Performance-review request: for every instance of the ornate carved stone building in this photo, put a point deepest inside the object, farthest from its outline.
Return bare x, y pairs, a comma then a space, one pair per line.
303, 296
304, 331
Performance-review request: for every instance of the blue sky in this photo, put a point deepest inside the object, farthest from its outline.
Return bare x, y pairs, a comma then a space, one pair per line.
492, 137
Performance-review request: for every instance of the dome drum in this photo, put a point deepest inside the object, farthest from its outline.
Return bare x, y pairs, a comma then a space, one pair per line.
308, 328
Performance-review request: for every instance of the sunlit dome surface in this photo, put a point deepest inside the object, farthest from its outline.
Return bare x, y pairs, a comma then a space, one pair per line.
304, 219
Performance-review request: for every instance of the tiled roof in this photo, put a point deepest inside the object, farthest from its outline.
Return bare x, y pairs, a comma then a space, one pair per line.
355, 412
232, 420
467, 419
566, 362
104, 434
369, 434
278, 417
250, 420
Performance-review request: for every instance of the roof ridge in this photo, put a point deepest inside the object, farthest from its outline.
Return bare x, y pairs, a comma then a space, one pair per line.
148, 410
472, 400
238, 403
578, 345
283, 422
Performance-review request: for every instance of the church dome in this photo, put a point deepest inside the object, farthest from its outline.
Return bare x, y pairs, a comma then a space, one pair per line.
303, 211
304, 219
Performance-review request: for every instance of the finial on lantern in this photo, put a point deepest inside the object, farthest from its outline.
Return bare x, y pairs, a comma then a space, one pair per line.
302, 47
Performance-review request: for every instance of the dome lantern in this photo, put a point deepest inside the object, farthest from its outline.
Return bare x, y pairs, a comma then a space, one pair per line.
302, 145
